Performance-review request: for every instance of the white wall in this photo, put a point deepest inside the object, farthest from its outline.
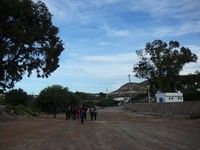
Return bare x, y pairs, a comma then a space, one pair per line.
169, 97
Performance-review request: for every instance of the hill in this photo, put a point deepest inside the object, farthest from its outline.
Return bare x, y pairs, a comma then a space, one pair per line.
135, 88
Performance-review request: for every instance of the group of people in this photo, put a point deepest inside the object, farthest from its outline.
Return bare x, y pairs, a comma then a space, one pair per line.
75, 112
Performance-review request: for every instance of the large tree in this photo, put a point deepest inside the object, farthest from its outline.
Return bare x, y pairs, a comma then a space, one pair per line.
161, 63
54, 97
16, 97
28, 41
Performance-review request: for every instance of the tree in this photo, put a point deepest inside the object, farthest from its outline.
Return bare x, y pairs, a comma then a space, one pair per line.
107, 102
16, 97
54, 97
88, 103
161, 63
28, 41
74, 99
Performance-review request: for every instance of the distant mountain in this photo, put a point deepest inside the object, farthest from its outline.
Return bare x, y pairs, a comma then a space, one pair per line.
135, 88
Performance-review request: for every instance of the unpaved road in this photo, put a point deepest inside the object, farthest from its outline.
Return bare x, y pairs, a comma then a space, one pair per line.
115, 130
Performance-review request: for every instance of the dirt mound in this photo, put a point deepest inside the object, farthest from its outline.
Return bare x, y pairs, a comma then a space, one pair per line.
5, 115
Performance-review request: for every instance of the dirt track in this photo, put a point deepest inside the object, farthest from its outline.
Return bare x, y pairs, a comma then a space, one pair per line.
115, 130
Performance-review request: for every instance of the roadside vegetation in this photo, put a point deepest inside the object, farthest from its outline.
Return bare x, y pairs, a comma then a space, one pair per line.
51, 100
17, 102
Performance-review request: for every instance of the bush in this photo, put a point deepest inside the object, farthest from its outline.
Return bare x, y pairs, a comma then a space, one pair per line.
107, 103
54, 98
24, 110
88, 103
191, 96
16, 97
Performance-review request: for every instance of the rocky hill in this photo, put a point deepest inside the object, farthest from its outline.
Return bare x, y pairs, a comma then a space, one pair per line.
135, 88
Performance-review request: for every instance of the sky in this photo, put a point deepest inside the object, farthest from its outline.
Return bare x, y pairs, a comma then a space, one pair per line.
101, 36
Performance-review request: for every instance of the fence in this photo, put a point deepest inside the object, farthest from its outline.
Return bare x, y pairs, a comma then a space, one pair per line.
180, 108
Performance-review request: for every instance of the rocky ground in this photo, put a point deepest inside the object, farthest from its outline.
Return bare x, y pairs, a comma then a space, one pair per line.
115, 129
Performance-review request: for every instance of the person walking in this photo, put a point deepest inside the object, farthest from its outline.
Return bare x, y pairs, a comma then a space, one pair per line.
91, 111
85, 112
54, 111
95, 113
67, 112
82, 115
77, 112
73, 113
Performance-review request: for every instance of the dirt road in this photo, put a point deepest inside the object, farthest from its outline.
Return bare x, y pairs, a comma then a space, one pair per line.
115, 130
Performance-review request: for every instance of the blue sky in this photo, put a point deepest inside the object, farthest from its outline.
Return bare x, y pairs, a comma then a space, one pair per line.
101, 37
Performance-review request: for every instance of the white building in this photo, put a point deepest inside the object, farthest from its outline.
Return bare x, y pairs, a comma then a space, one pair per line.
169, 97
121, 100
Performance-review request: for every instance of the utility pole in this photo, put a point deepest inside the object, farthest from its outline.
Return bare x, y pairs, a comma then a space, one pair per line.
148, 90
107, 93
129, 79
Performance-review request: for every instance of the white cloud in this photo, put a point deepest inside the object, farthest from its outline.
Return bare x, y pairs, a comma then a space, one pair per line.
84, 12
93, 73
103, 66
184, 9
103, 43
185, 28
117, 58
156, 32
170, 18
111, 32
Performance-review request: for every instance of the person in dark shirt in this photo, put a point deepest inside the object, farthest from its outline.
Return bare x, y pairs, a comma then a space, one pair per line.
54, 111
85, 112
95, 113
82, 115
91, 111
67, 112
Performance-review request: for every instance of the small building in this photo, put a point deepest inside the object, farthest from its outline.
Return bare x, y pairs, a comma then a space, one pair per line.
169, 97
121, 100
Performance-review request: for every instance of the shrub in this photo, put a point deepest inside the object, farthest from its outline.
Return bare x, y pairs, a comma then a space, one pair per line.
16, 97
24, 110
88, 103
54, 98
107, 102
191, 96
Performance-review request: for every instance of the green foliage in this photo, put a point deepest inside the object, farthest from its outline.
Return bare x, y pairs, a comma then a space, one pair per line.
107, 103
30, 100
16, 97
88, 103
74, 100
24, 110
161, 63
55, 95
28, 41
192, 95
83, 96
102, 95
